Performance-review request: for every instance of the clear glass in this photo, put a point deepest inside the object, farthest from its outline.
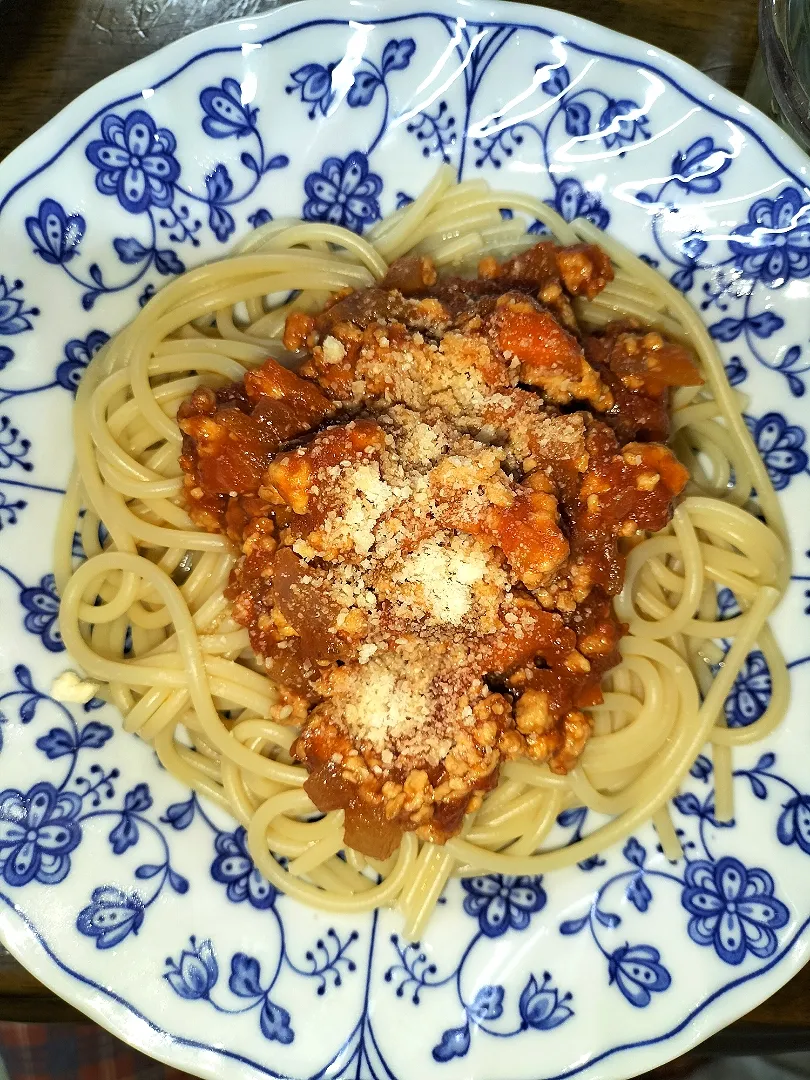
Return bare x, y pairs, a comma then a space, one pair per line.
780, 79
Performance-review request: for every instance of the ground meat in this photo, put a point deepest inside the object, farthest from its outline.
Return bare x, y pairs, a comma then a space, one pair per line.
431, 516
639, 367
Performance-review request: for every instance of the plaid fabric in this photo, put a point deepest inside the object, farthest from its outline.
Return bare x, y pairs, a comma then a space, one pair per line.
87, 1052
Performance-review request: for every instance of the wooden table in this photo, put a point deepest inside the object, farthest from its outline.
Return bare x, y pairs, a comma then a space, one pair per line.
51, 50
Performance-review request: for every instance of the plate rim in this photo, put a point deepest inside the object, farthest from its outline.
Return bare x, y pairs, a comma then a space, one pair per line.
23, 940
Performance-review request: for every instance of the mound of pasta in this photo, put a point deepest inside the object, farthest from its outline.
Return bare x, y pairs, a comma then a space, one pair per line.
400, 565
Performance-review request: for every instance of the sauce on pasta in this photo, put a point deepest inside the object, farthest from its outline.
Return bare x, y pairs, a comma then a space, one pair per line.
431, 517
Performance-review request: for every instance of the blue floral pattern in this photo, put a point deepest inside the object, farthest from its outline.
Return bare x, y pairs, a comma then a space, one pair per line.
160, 187
733, 909
38, 831
751, 693
225, 114
781, 446
314, 83
773, 246
571, 201
41, 603
622, 122
15, 318
343, 192
78, 354
195, 974
542, 1007
501, 902
111, 916
55, 235
638, 972
135, 162
234, 867
41, 828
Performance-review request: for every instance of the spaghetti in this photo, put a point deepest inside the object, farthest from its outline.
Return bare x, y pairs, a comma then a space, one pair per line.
146, 613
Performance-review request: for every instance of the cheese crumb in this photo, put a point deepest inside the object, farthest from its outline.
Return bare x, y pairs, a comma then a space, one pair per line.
72, 688
333, 350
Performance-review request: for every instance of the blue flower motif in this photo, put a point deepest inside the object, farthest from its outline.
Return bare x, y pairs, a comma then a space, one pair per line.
6, 356
750, 695
135, 161
234, 867
42, 604
572, 200
78, 355
774, 244
577, 118
542, 1007
736, 371
557, 79
702, 768
56, 235
700, 167
794, 823
343, 193
732, 908
38, 830
14, 318
621, 122
638, 972
314, 83
225, 113
195, 974
111, 916
259, 217
780, 446
501, 901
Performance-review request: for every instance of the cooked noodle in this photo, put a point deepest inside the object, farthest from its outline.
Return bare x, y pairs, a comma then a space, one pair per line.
146, 616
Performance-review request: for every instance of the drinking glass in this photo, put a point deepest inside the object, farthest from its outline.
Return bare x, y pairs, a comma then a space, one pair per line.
780, 79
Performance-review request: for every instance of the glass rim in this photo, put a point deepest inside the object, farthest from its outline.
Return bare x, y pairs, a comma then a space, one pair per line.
790, 93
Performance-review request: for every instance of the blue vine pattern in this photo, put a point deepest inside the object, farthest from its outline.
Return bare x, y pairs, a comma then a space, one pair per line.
40, 828
136, 164
729, 908
763, 255
499, 903
196, 973
732, 908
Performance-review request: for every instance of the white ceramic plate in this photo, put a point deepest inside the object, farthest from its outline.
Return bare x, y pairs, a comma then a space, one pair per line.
139, 904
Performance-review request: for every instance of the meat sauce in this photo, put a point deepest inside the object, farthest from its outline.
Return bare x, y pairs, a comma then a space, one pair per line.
430, 516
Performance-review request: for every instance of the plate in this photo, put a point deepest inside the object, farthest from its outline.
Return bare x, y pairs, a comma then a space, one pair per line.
137, 902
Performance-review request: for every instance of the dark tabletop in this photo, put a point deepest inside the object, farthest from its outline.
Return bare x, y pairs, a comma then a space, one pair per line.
52, 50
